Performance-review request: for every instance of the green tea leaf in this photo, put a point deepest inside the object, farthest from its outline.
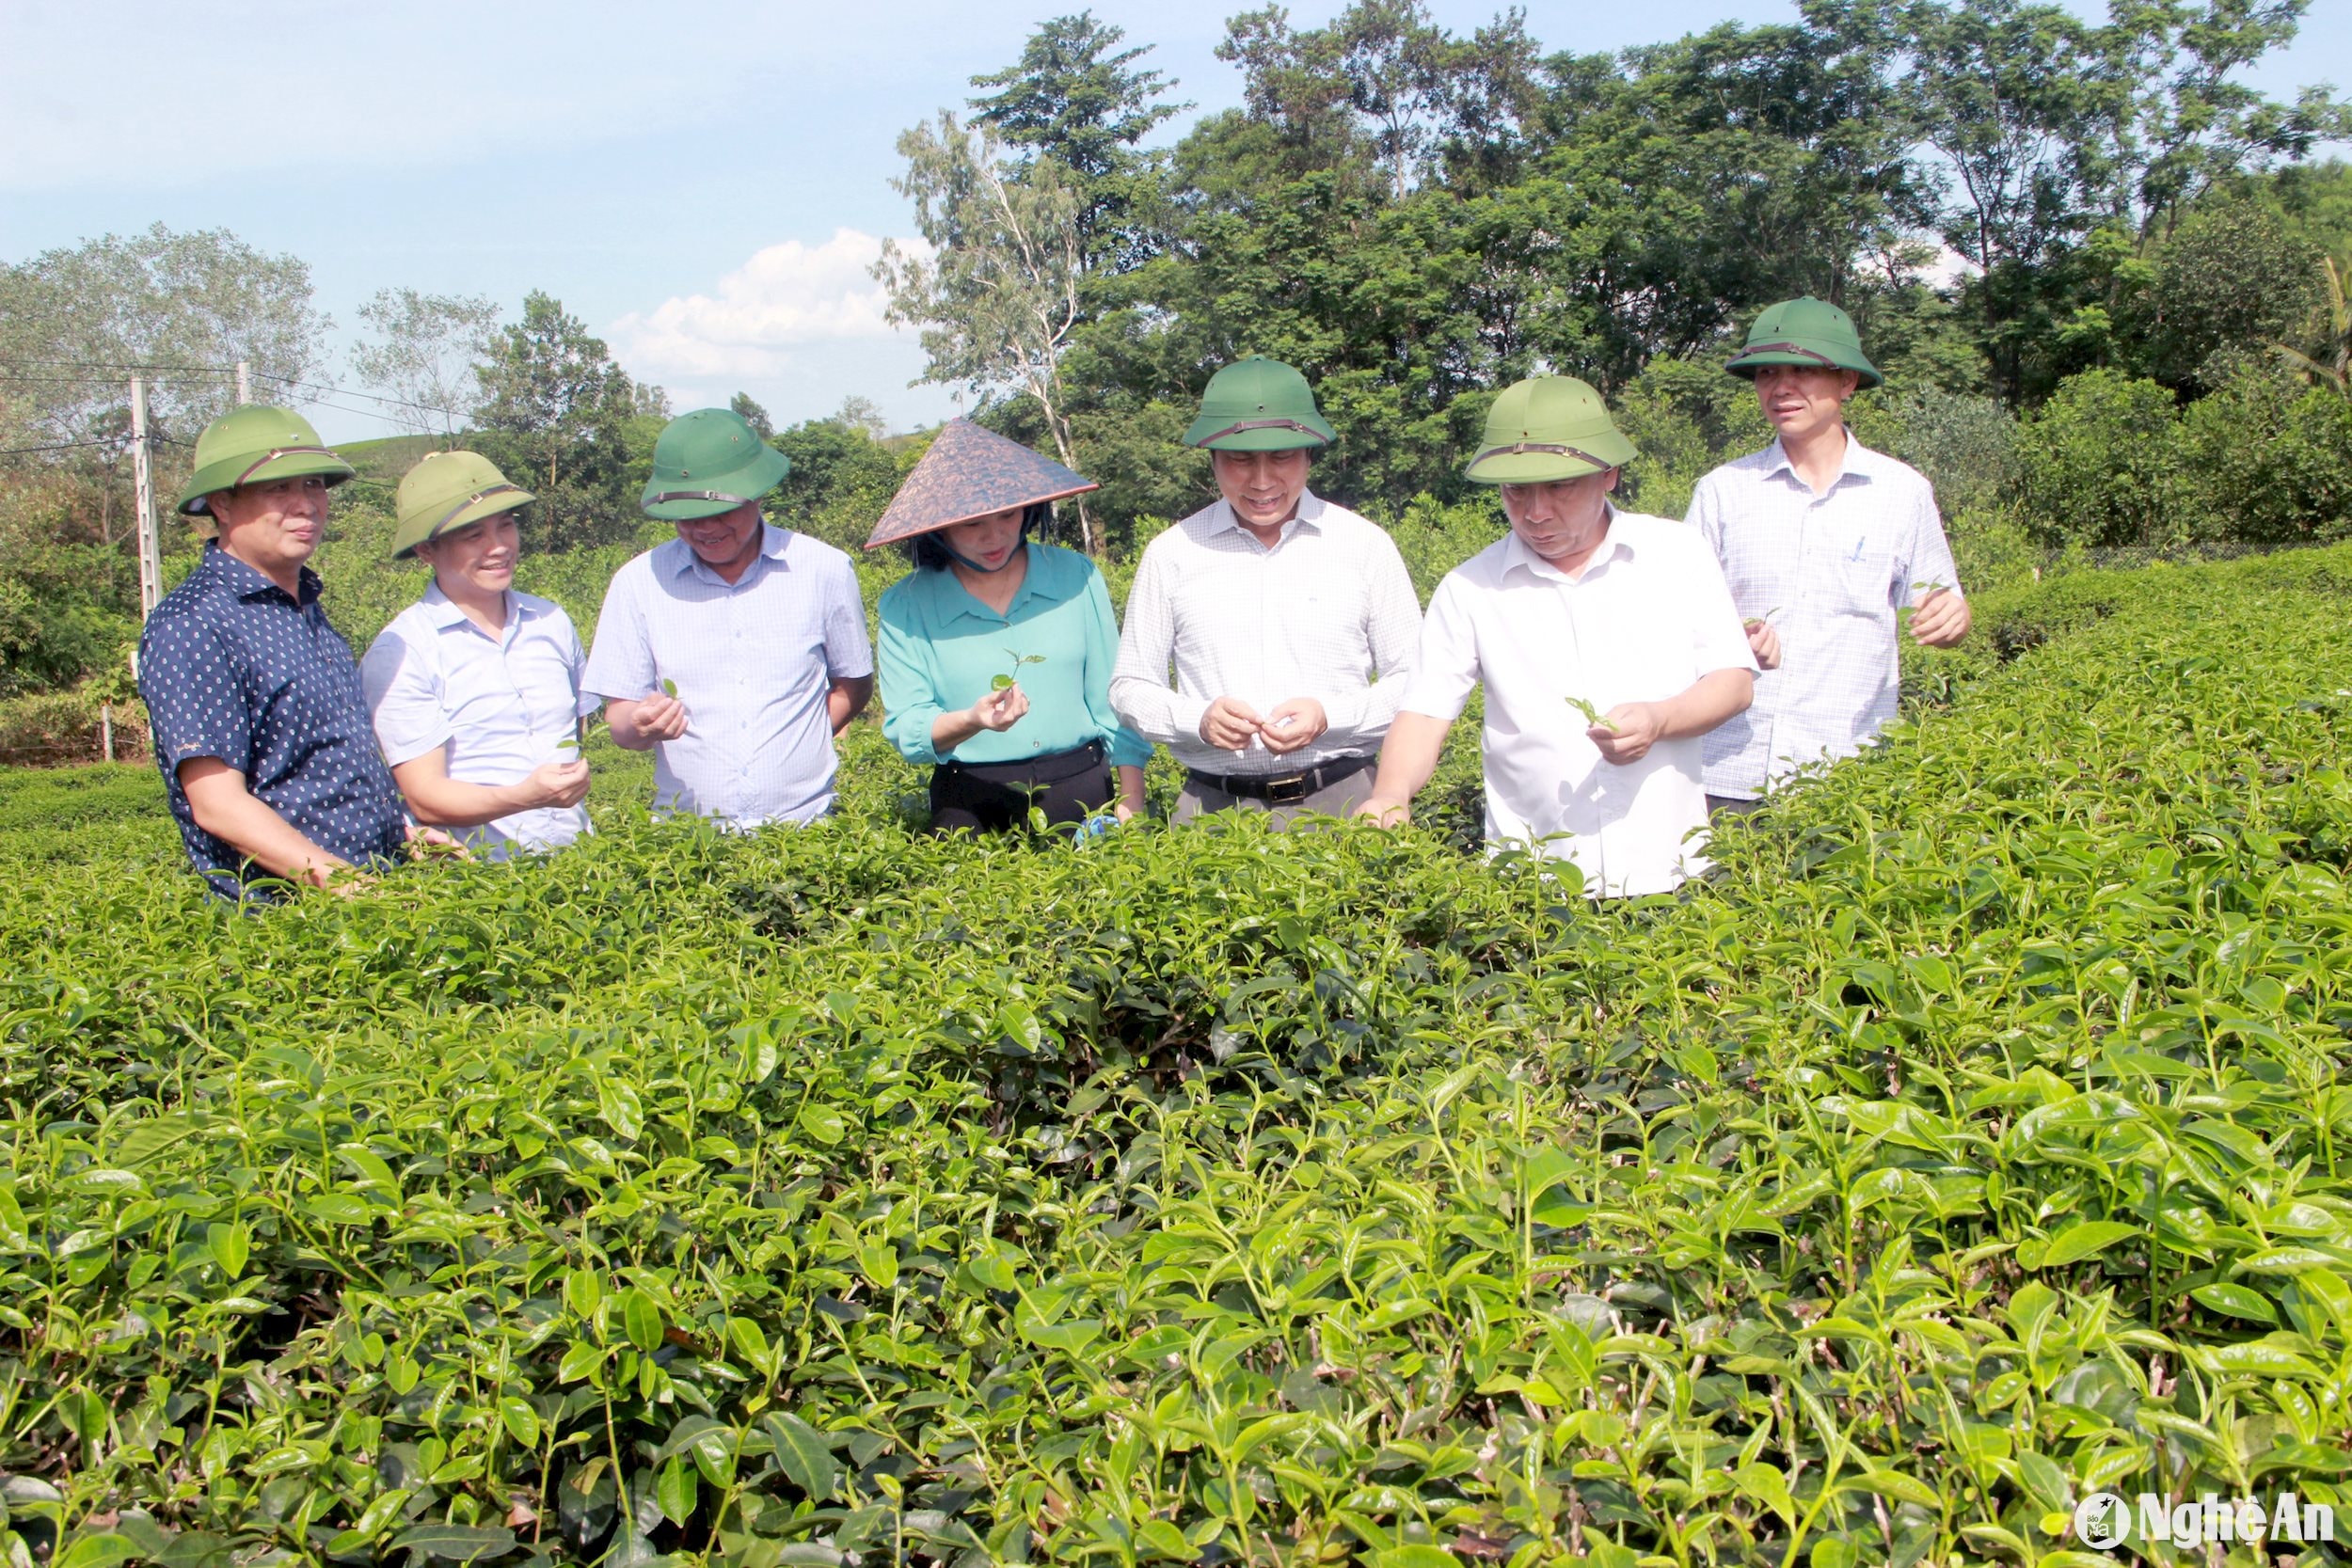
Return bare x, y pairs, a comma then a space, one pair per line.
677, 1489
2238, 1301
641, 1319
520, 1421
2082, 1240
454, 1543
229, 1245
804, 1455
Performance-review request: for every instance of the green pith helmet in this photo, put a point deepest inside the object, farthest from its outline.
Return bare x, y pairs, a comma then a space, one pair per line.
1546, 428
447, 491
709, 461
1259, 405
253, 444
1805, 331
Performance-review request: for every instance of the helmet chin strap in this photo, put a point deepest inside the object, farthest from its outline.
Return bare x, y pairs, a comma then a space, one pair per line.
962, 560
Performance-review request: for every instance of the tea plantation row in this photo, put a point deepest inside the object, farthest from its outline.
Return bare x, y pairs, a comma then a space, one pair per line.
1975, 1140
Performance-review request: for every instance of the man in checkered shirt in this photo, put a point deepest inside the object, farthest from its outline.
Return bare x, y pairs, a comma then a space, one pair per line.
1824, 542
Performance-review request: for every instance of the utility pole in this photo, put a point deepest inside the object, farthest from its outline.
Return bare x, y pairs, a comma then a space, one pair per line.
244, 382
143, 505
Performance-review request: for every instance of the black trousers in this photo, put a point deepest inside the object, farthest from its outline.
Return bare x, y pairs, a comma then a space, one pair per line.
995, 797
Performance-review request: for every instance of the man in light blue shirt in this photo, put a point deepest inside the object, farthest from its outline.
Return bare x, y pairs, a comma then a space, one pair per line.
738, 651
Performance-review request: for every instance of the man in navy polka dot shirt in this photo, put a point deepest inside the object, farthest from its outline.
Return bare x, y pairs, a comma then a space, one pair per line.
261, 729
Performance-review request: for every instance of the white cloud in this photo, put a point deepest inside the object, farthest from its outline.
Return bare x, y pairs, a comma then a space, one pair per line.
786, 298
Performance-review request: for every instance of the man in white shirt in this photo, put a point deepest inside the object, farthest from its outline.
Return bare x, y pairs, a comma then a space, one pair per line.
736, 651
475, 690
1276, 609
1824, 543
1608, 647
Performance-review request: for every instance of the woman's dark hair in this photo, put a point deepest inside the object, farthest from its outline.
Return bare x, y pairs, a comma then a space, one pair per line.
929, 552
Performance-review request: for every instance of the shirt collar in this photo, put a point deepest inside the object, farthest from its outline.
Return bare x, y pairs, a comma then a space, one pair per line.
1309, 515
1616, 546
773, 542
248, 584
444, 612
1860, 461
961, 601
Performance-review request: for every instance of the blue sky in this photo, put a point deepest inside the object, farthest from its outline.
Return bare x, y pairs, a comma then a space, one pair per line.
702, 182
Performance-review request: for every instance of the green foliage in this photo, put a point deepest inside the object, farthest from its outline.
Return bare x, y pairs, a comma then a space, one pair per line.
842, 480
561, 418
2097, 462
2265, 458
2111, 461
1967, 1145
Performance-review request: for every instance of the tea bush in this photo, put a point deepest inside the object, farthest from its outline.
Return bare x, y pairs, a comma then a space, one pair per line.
1968, 1144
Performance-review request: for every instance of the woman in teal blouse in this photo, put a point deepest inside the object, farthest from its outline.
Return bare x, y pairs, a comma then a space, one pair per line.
995, 653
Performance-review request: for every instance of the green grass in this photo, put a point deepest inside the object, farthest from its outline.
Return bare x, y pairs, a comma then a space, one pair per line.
1972, 1141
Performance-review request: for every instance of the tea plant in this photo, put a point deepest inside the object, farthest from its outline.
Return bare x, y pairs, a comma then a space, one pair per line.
1970, 1142
1019, 660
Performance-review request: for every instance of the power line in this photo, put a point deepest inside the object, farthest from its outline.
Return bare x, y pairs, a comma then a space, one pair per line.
61, 446
319, 390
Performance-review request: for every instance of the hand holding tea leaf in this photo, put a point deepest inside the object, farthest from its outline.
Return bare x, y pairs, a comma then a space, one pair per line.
656, 716
1001, 709
1592, 716
1938, 616
1764, 639
1009, 677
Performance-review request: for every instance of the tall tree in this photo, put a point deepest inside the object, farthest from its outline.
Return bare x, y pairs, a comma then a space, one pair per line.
74, 321
1074, 96
556, 407
1383, 83
427, 361
996, 291
753, 414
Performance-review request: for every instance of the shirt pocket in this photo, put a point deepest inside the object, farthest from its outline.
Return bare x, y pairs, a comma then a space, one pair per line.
1865, 579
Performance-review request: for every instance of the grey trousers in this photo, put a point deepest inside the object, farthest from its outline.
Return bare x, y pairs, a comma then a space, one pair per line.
1333, 801
1731, 805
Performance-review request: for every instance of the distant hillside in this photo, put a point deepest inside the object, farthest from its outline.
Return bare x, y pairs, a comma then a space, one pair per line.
386, 460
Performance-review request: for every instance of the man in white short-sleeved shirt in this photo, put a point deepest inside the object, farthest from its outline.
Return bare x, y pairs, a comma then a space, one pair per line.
1824, 543
736, 651
1275, 609
475, 690
1580, 607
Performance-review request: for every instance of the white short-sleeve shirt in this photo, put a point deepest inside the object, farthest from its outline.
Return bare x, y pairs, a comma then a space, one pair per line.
1836, 567
754, 661
1646, 617
501, 705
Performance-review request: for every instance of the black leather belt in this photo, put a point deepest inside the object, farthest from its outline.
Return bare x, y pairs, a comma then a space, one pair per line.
1281, 788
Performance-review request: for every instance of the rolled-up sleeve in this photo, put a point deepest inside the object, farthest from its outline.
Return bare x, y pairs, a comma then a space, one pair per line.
1445, 662
404, 699
620, 665
1140, 692
1127, 749
1391, 631
195, 703
907, 666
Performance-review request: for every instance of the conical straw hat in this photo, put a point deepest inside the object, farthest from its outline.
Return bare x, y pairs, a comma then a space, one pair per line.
971, 472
